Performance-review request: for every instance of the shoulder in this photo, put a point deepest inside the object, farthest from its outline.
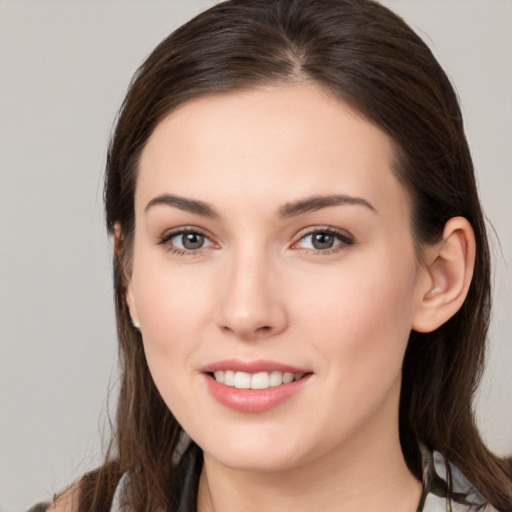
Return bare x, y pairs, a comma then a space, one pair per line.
100, 486
445, 478
40, 507
67, 501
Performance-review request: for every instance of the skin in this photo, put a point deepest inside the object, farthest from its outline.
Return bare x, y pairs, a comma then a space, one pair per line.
257, 289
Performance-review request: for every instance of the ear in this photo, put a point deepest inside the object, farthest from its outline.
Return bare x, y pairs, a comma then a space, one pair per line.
449, 265
119, 250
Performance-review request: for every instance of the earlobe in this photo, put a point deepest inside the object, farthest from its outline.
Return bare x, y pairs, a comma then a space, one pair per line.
118, 240
121, 258
450, 269
130, 301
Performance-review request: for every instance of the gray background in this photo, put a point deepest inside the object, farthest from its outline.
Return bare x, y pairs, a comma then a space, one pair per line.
64, 68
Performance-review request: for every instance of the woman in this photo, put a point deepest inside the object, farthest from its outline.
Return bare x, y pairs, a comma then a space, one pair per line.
301, 272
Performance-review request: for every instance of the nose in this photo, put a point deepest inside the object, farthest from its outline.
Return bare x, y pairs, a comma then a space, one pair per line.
252, 302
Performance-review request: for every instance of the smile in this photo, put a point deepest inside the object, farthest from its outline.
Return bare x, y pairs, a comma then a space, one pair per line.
254, 386
259, 380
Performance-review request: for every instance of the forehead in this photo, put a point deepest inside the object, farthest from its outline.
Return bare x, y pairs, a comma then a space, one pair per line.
264, 144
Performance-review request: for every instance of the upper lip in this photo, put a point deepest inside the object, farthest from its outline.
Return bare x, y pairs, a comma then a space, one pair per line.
256, 366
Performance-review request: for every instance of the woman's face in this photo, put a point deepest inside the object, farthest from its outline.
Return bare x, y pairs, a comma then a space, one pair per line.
273, 243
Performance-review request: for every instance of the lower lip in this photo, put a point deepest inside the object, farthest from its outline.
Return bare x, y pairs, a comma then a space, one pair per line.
254, 400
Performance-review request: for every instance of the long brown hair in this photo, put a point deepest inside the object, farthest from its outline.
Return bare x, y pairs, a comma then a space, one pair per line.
368, 57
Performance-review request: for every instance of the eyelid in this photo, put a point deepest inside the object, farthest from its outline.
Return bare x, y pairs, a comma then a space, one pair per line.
170, 233
345, 238
167, 236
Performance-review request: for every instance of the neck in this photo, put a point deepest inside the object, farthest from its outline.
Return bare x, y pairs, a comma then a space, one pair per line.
366, 472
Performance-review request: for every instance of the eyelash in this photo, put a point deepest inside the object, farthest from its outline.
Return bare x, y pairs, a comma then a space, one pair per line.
166, 239
344, 240
342, 237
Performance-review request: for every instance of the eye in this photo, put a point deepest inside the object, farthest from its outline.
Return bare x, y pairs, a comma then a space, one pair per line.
185, 241
324, 240
189, 241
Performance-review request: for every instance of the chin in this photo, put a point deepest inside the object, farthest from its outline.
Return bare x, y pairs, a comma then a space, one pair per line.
259, 462
259, 453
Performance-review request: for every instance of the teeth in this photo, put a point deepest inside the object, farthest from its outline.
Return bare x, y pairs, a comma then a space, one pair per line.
260, 380
287, 378
242, 380
276, 378
229, 378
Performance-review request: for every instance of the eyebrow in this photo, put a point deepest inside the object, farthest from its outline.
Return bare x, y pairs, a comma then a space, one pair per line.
292, 209
188, 205
315, 203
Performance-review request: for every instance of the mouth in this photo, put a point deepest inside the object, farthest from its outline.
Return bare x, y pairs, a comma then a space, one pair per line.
254, 386
258, 380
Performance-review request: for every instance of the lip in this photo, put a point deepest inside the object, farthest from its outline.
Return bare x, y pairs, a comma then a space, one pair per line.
253, 400
259, 365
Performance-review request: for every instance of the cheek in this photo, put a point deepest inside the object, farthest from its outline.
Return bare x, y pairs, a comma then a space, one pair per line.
172, 307
363, 294
362, 318
170, 304
172, 310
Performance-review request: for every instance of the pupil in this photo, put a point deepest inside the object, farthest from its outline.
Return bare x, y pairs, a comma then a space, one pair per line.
322, 241
193, 240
